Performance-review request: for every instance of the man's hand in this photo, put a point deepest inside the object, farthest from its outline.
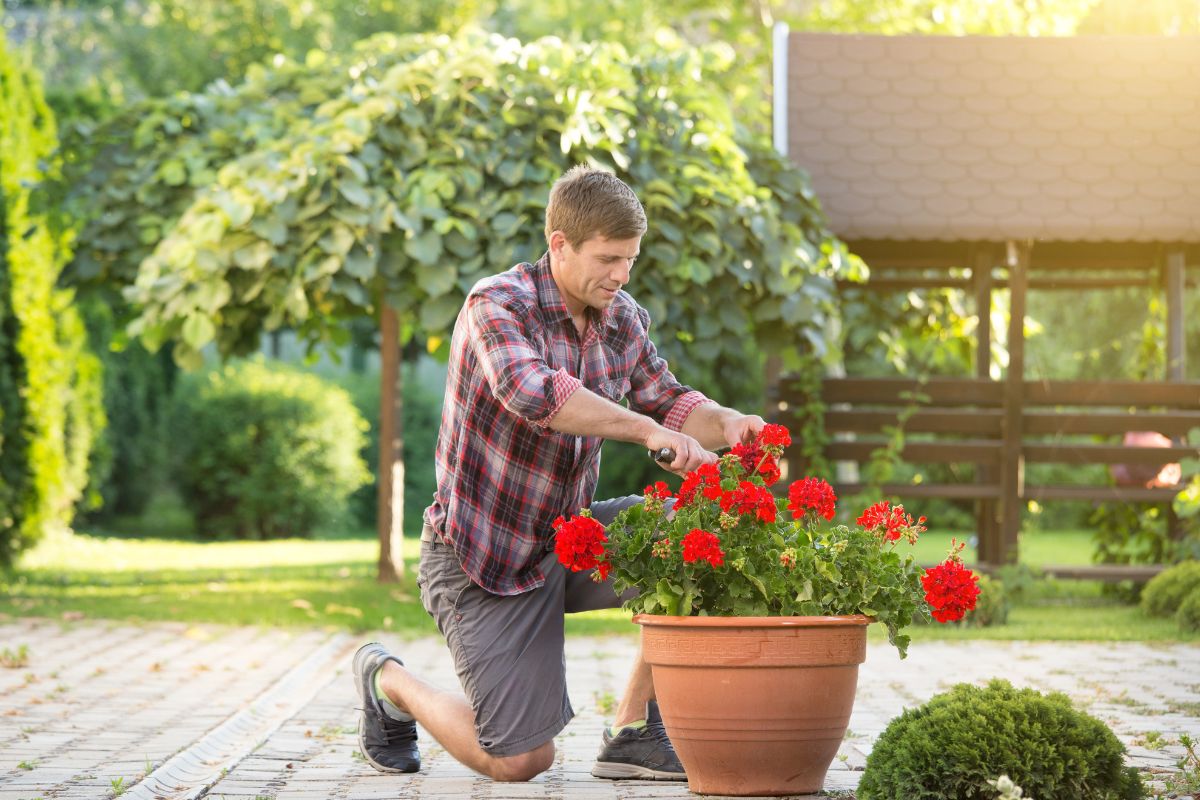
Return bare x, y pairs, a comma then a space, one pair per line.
742, 429
689, 454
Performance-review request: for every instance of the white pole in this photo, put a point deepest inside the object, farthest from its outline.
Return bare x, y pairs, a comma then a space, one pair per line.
779, 70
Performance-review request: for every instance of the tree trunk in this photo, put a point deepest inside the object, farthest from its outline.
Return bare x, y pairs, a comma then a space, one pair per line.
390, 514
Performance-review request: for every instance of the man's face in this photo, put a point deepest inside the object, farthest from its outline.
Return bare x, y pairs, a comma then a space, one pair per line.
592, 275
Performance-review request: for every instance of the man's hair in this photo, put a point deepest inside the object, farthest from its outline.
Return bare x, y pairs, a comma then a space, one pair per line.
587, 202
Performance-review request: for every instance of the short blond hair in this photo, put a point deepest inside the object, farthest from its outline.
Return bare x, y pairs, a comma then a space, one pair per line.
587, 202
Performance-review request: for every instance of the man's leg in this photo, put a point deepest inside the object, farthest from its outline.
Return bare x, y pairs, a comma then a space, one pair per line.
450, 719
637, 746
639, 691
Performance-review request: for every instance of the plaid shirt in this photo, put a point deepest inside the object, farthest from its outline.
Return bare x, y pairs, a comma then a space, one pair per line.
503, 475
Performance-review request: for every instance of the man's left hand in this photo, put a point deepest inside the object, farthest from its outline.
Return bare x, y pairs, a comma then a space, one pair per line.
742, 429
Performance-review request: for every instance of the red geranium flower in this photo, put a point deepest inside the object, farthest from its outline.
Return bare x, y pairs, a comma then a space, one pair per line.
756, 460
700, 545
750, 498
706, 479
579, 543
950, 589
891, 522
774, 436
812, 494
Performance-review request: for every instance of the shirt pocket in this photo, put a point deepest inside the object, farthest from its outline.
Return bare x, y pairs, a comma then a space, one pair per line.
615, 390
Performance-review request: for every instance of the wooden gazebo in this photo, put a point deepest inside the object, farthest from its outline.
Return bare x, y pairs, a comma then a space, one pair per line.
1005, 162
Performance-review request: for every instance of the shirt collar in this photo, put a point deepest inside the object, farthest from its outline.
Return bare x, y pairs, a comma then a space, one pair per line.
550, 299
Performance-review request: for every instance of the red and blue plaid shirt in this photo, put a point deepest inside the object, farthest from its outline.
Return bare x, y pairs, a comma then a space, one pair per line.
503, 475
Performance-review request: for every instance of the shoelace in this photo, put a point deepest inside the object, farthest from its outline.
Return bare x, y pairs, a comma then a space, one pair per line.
659, 732
397, 732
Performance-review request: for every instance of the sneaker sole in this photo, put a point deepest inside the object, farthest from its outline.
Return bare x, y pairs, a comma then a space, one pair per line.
360, 690
616, 771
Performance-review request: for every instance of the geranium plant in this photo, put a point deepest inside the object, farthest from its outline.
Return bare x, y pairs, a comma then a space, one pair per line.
725, 545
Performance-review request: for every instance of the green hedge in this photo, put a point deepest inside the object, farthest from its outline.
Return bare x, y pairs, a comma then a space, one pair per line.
950, 747
264, 451
130, 460
1168, 589
50, 407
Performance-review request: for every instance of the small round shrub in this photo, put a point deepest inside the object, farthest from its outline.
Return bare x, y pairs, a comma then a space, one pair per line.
1164, 593
1188, 615
948, 748
266, 451
991, 608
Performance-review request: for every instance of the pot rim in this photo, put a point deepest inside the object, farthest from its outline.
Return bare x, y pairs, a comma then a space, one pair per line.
661, 620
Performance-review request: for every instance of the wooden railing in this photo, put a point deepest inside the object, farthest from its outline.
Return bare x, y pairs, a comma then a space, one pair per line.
980, 422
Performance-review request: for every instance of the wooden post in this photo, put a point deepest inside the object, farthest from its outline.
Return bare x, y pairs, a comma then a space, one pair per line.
1176, 349
987, 525
1176, 353
1012, 465
390, 509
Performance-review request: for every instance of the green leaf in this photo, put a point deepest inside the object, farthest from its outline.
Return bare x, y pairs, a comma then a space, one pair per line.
356, 193
439, 313
255, 256
425, 248
198, 330
437, 279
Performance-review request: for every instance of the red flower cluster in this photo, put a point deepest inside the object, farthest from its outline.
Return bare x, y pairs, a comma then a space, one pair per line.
750, 498
755, 459
891, 522
659, 491
700, 545
814, 494
579, 544
774, 436
706, 479
950, 589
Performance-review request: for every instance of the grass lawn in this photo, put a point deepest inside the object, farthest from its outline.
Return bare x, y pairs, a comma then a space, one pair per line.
331, 582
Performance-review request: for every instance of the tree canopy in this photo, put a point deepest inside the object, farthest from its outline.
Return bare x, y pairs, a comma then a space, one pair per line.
405, 171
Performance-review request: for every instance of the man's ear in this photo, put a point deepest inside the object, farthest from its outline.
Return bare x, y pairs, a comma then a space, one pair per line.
557, 241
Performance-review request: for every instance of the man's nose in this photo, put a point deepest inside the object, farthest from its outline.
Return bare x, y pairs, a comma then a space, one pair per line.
621, 273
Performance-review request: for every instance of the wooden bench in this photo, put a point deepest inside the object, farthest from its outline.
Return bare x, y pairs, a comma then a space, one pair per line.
981, 422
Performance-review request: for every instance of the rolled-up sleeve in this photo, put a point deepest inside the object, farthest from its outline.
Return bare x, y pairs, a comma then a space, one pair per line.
517, 373
655, 391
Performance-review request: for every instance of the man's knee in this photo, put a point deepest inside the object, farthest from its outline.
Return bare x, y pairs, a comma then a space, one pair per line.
525, 766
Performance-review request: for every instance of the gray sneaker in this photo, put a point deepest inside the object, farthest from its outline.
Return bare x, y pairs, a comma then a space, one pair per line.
646, 754
388, 745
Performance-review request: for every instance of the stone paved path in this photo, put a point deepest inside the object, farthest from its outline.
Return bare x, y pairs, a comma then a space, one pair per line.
176, 711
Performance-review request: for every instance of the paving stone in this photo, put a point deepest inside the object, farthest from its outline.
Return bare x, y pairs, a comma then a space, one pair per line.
99, 702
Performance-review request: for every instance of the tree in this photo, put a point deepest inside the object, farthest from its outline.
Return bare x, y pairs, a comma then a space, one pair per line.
388, 181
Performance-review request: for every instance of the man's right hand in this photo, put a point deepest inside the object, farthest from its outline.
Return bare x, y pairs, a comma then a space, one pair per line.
689, 454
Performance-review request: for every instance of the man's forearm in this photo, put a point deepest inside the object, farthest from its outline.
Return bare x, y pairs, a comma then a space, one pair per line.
706, 424
586, 413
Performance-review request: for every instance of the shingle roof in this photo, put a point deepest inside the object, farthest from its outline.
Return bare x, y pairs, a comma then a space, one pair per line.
995, 138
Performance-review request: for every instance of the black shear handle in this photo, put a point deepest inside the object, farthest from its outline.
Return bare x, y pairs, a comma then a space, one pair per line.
664, 456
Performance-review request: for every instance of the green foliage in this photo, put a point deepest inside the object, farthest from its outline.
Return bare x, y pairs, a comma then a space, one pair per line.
49, 401
950, 747
266, 452
130, 460
415, 166
1130, 533
1167, 590
422, 411
991, 607
1188, 615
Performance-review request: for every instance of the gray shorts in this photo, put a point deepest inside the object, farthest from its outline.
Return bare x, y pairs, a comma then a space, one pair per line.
508, 651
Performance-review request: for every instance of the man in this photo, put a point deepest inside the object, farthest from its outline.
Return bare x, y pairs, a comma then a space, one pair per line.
541, 357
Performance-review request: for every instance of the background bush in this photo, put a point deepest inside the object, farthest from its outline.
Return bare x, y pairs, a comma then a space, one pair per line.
130, 461
266, 451
1188, 615
948, 748
991, 608
1167, 590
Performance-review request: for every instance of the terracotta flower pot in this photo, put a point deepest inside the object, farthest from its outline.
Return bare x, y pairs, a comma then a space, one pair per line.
755, 705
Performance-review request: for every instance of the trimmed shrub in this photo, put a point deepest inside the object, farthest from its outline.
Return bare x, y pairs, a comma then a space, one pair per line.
948, 748
1188, 615
266, 451
49, 383
1167, 590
